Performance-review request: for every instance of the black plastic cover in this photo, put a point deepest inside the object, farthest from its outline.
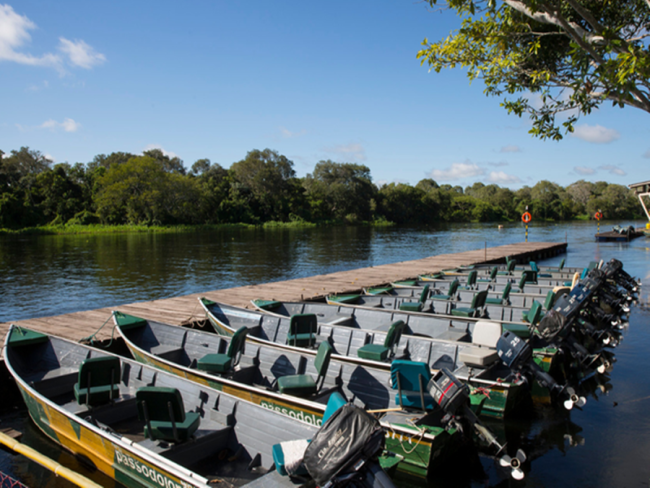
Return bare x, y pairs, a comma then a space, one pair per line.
349, 436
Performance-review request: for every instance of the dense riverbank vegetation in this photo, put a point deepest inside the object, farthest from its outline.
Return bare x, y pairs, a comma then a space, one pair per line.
152, 189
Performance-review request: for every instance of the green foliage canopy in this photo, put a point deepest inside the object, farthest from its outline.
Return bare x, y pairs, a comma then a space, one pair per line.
572, 55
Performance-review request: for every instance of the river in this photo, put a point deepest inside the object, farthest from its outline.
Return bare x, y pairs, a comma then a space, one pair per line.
605, 444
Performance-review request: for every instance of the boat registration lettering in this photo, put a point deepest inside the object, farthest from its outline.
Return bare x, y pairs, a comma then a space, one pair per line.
148, 472
310, 418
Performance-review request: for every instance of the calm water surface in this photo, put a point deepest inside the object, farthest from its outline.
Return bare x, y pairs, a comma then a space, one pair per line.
606, 444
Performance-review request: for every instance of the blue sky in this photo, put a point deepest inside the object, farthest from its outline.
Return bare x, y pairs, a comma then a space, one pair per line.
313, 80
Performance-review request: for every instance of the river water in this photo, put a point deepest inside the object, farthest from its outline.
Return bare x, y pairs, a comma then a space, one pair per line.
605, 444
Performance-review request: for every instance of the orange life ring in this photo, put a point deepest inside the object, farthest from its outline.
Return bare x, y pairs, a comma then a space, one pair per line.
526, 217
598, 215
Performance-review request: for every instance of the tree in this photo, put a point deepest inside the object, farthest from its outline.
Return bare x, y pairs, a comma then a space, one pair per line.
572, 55
340, 191
262, 181
171, 165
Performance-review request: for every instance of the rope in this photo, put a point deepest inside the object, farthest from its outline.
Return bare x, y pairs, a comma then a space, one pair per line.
189, 321
91, 338
7, 481
421, 431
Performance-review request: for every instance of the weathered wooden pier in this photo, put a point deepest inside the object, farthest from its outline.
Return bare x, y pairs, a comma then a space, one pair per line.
185, 309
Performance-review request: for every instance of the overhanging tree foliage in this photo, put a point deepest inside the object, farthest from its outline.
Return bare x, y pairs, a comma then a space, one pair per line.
570, 55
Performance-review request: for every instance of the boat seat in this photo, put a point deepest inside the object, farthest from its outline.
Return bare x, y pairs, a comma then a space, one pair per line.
381, 352
531, 276
416, 306
535, 268
98, 381
510, 266
223, 363
493, 276
504, 300
522, 283
304, 384
164, 414
287, 456
476, 307
302, 330
533, 316
471, 280
451, 292
483, 352
520, 330
410, 379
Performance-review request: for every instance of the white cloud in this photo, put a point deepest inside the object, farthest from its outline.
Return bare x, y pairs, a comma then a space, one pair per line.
510, 149
613, 170
80, 54
501, 178
14, 34
583, 170
354, 151
457, 171
501, 163
596, 134
646, 154
68, 125
169, 154
289, 134
42, 86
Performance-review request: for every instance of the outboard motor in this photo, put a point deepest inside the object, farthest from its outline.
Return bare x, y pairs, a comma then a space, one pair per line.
517, 354
452, 396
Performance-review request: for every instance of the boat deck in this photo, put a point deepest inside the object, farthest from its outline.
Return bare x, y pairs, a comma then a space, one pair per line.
617, 236
186, 309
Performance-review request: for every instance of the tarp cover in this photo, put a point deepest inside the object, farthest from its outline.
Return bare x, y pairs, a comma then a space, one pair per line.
552, 323
350, 435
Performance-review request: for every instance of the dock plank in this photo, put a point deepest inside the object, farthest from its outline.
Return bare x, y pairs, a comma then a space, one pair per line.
180, 310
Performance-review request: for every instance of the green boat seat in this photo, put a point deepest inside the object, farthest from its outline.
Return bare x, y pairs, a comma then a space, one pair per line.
550, 299
471, 280
292, 451
522, 284
520, 330
504, 300
416, 306
531, 276
482, 352
561, 266
381, 352
510, 266
492, 277
304, 384
302, 330
223, 363
410, 379
164, 414
533, 315
98, 381
476, 307
451, 292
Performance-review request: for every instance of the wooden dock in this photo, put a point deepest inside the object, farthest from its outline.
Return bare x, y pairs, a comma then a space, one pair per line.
185, 309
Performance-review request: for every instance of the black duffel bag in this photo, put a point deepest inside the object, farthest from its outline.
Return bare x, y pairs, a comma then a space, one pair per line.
343, 444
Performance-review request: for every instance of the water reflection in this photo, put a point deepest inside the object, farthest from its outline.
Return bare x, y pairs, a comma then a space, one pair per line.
605, 444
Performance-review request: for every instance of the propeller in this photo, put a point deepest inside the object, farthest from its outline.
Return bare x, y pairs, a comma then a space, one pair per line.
514, 463
574, 399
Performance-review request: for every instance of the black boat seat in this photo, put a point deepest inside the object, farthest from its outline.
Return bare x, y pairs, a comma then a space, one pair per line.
304, 384
223, 363
163, 412
99, 380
